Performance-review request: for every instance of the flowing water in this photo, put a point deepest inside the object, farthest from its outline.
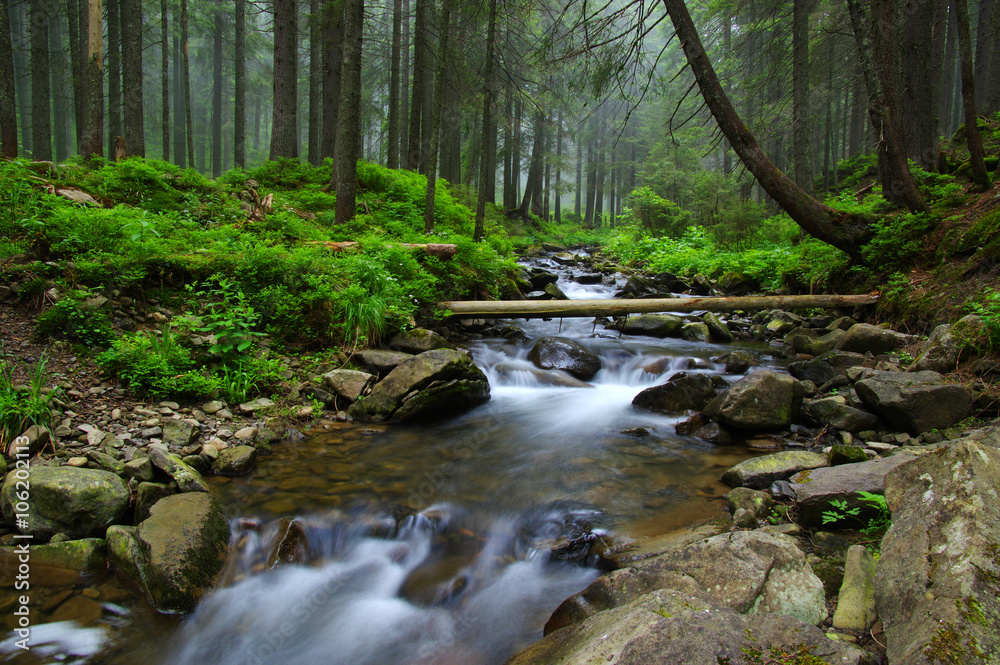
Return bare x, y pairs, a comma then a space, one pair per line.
431, 544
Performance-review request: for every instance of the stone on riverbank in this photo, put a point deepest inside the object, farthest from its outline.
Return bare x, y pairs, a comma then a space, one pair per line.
349, 383
866, 338
418, 340
187, 478
760, 472
915, 402
235, 461
86, 554
79, 503
761, 400
379, 362
856, 601
835, 412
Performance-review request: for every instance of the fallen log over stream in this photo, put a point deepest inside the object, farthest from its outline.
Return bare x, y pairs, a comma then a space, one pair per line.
439, 249
533, 309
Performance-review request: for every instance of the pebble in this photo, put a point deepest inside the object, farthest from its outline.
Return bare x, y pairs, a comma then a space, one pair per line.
213, 407
170, 405
224, 433
224, 414
218, 444
150, 432
78, 462
246, 434
143, 412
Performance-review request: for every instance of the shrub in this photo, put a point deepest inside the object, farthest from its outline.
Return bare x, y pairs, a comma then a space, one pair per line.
71, 319
156, 364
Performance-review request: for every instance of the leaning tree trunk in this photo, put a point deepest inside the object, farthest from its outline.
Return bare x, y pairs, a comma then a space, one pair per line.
847, 232
972, 137
435, 136
8, 112
488, 101
349, 113
135, 133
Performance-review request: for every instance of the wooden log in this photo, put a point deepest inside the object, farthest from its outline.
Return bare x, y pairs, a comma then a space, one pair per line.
522, 309
441, 250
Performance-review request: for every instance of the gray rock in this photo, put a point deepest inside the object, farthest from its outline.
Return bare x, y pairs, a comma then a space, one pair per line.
37, 438
213, 407
761, 400
548, 377
236, 461
760, 472
866, 338
106, 462
348, 383
835, 412
654, 325
696, 332
419, 340
948, 345
79, 503
177, 553
718, 330
180, 433
680, 393
539, 279
804, 340
739, 362
936, 586
433, 384
187, 479
139, 468
755, 502
565, 354
781, 323
856, 600
815, 489
146, 497
380, 363
827, 367
555, 292
915, 402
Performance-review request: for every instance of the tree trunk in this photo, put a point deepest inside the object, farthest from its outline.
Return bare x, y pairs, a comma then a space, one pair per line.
948, 69
135, 133
178, 86
985, 37
217, 92
979, 174
314, 126
76, 23
579, 176
801, 141
488, 102
349, 114
588, 216
240, 88
404, 85
333, 60
508, 151
93, 144
938, 40
8, 108
61, 100
41, 126
188, 122
284, 139
165, 80
876, 40
414, 157
600, 175
558, 186
917, 93
444, 31
516, 155
114, 77
392, 139
532, 199
847, 232
427, 112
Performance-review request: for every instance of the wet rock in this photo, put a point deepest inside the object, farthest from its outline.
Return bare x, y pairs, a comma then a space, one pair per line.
739, 362
915, 402
86, 554
565, 259
653, 325
418, 340
696, 332
348, 383
551, 377
177, 553
139, 468
738, 284
433, 384
79, 503
827, 367
292, 547
236, 461
804, 340
187, 479
541, 278
856, 600
713, 433
937, 578
866, 338
760, 472
380, 363
815, 489
718, 331
106, 462
681, 392
755, 502
835, 412
180, 433
555, 292
565, 354
146, 497
780, 323
80, 610
761, 400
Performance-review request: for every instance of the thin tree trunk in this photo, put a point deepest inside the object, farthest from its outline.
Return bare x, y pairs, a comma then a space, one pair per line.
189, 123
404, 86
76, 24
727, 46
22, 70
917, 37
60, 96
972, 137
488, 102
801, 141
949, 67
392, 140
8, 108
938, 39
414, 157
284, 139
114, 76
444, 31
558, 186
165, 80
991, 100
240, 88
847, 232
41, 107
588, 216
984, 46
508, 151
579, 176
315, 127
332, 64
134, 117
532, 199
217, 92
427, 112
349, 114
93, 144
516, 156
178, 86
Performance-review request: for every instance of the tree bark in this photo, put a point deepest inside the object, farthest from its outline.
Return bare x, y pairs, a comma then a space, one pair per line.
333, 60
93, 144
240, 87
61, 101
488, 102
135, 133
404, 85
284, 139
188, 121
844, 231
948, 69
414, 157
917, 93
392, 139
985, 39
558, 187
508, 150
76, 24
165, 80
972, 137
217, 91
876, 40
444, 31
493, 309
532, 200
41, 126
349, 113
801, 141
8, 108
579, 177
114, 76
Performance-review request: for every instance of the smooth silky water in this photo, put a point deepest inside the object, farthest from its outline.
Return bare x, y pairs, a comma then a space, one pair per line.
430, 544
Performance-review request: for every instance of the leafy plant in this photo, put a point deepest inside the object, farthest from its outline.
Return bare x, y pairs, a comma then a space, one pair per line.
71, 319
230, 318
880, 517
23, 406
157, 365
988, 309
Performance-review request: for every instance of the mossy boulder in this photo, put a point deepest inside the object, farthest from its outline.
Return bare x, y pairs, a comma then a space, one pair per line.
682, 392
654, 325
85, 554
186, 477
762, 400
80, 503
760, 472
236, 461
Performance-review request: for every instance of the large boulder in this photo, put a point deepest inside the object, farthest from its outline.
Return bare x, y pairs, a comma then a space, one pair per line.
948, 344
654, 325
760, 472
913, 401
379, 362
674, 628
811, 341
79, 503
681, 392
866, 338
762, 400
349, 383
419, 340
835, 412
827, 367
565, 354
938, 576
176, 554
815, 489
718, 330
433, 384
